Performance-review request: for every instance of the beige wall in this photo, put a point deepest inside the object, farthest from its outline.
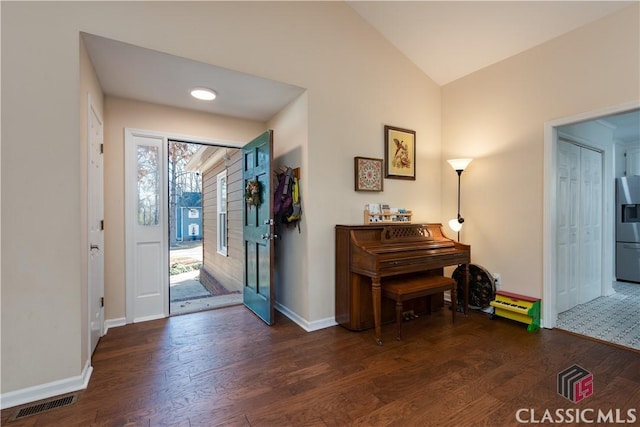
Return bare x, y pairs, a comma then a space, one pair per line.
291, 133
497, 116
42, 194
124, 113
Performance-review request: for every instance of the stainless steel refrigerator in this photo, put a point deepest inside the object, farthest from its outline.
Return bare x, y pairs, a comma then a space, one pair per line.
628, 228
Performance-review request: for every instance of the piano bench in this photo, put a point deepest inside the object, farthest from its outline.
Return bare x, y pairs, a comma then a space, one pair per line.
404, 289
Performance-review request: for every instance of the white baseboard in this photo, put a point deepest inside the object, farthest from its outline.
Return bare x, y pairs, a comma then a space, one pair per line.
304, 323
45, 391
114, 323
322, 323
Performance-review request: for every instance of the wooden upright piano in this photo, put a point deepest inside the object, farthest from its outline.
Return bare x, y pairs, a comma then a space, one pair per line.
367, 254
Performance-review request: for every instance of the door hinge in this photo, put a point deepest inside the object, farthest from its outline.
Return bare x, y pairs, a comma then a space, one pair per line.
101, 301
101, 148
102, 225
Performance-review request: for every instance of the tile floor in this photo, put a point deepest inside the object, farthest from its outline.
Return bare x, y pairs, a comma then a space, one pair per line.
615, 318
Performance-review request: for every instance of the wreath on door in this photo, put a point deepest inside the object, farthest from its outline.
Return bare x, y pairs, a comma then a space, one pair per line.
252, 193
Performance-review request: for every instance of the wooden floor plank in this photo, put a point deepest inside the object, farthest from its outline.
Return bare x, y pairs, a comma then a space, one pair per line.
225, 367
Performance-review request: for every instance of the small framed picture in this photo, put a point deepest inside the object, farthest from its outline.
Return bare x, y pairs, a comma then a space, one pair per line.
399, 153
368, 174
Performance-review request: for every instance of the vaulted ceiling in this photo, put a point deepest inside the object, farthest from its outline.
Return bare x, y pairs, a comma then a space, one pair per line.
446, 39
450, 39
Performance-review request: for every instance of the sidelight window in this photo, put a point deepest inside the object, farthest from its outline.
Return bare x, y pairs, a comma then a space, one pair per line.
148, 185
222, 212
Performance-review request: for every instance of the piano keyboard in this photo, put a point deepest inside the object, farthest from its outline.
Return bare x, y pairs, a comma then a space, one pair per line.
518, 307
523, 309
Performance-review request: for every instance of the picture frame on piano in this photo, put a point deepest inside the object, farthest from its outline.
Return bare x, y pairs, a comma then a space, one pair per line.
399, 153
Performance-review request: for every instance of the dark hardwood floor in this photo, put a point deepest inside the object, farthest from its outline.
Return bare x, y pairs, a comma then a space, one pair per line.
226, 368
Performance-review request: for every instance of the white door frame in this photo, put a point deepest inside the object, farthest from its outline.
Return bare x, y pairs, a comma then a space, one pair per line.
130, 215
549, 226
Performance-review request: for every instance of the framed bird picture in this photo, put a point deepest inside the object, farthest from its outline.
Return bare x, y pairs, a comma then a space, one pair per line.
399, 153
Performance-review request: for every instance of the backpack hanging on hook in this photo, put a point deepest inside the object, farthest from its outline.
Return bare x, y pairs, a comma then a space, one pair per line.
287, 208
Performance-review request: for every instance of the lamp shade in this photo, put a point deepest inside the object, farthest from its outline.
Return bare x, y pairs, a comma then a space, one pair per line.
455, 224
459, 164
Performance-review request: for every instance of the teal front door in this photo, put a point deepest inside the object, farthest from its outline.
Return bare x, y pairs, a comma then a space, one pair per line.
258, 228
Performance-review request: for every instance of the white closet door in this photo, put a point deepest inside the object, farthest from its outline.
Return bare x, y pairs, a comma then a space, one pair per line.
567, 250
579, 219
590, 225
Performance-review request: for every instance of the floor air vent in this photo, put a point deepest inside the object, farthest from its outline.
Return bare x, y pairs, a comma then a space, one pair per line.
45, 406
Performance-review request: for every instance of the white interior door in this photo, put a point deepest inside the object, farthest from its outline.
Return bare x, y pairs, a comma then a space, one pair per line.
579, 225
590, 225
147, 255
95, 224
567, 191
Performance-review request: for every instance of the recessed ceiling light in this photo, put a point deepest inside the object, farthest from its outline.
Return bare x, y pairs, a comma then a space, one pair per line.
203, 94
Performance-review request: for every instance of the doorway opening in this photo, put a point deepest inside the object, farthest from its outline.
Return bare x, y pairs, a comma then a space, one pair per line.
202, 218
604, 131
239, 259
